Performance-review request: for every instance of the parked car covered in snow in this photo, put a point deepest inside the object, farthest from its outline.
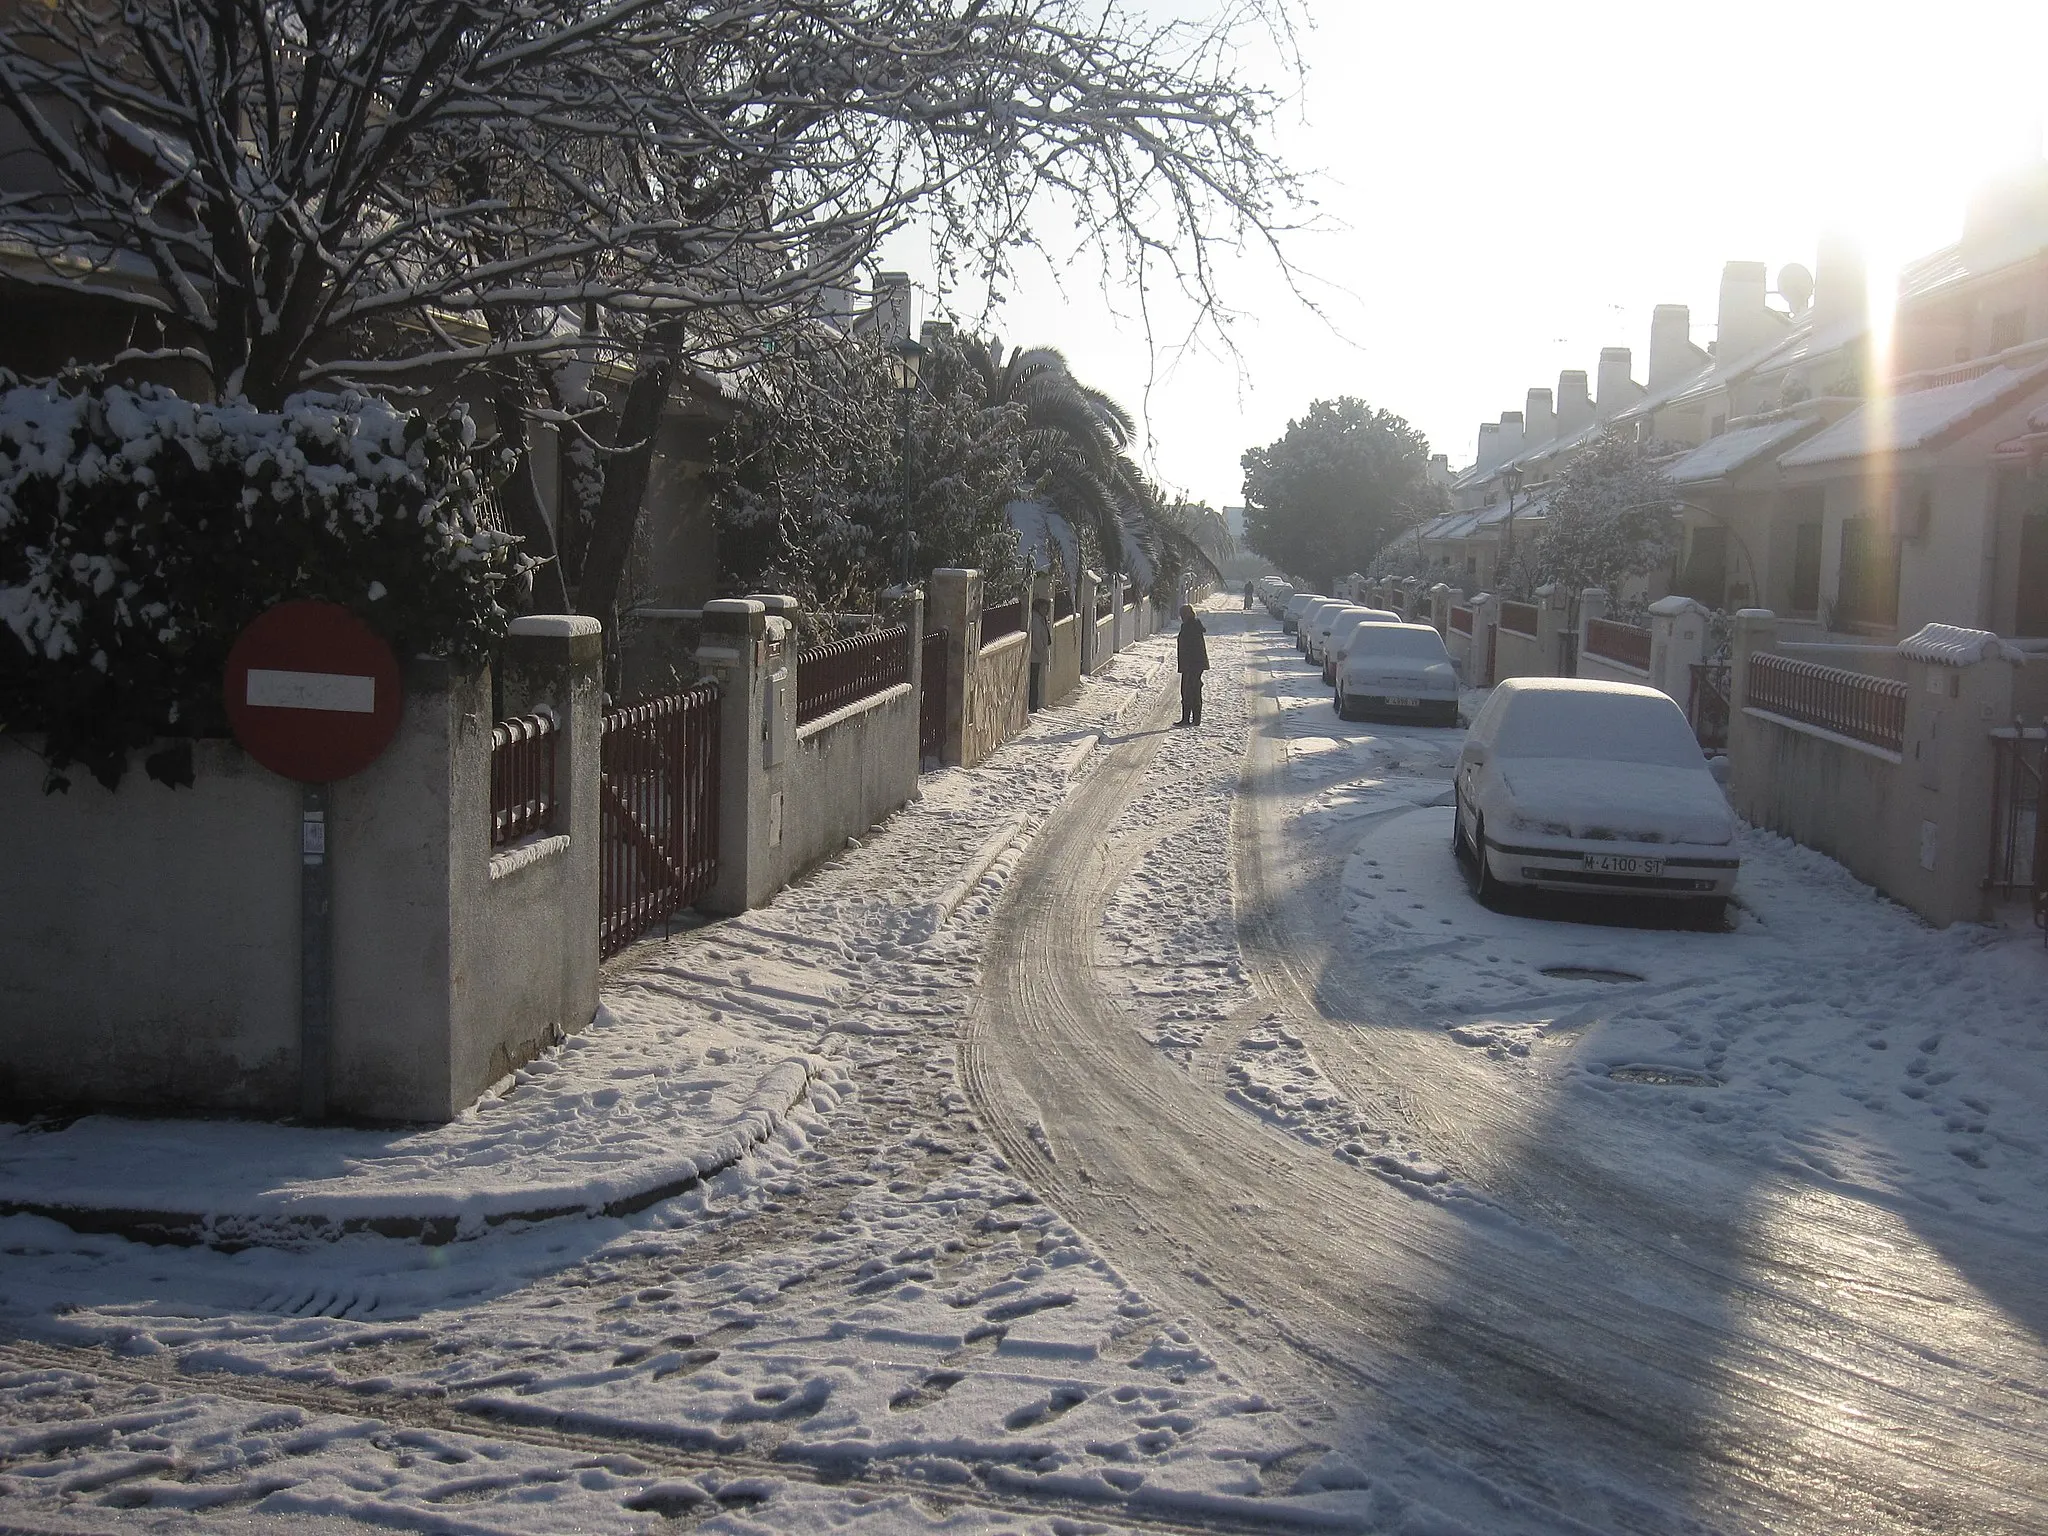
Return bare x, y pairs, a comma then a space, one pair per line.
1571, 785
1290, 616
1341, 632
1327, 619
1315, 626
1397, 669
1305, 623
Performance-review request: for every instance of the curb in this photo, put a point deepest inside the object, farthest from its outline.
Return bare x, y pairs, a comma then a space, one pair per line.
779, 1090
939, 911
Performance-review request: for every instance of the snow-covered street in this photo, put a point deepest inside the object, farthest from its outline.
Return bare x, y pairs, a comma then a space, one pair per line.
1172, 1142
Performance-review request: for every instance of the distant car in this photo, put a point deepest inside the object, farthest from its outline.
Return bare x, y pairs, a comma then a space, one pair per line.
1571, 785
1277, 592
1290, 615
1341, 632
1398, 669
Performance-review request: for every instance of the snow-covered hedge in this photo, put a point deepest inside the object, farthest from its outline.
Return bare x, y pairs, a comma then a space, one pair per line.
139, 532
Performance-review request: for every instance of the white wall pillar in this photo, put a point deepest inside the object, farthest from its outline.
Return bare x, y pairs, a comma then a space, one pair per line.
1084, 620
1485, 619
1678, 640
956, 608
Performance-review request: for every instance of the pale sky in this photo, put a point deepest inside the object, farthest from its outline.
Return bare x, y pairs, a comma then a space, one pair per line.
1520, 184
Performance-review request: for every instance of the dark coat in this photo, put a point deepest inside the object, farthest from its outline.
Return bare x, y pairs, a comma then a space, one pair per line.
1194, 648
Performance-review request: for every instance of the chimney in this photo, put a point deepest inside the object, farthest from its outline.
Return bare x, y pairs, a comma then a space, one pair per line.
1540, 421
1744, 323
892, 304
1673, 357
933, 332
1511, 435
1840, 296
1617, 390
1489, 446
1574, 405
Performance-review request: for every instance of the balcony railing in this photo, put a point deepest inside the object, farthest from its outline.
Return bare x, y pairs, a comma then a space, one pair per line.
1611, 640
1852, 704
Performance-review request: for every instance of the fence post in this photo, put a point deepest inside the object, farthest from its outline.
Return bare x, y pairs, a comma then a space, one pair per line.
1678, 638
1951, 706
1592, 605
1550, 626
1084, 612
1485, 616
1117, 638
956, 608
557, 661
734, 646
905, 606
1440, 608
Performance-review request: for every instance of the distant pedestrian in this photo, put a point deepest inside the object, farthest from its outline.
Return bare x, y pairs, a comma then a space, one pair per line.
1194, 661
1247, 597
1041, 651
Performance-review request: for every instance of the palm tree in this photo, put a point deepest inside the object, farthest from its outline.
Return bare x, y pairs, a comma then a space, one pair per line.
1077, 450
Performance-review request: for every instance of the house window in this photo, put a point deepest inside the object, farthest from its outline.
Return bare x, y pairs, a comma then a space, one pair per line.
2030, 615
1806, 568
2008, 329
1869, 592
1704, 576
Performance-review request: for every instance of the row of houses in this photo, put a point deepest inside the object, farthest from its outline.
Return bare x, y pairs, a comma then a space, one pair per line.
1861, 477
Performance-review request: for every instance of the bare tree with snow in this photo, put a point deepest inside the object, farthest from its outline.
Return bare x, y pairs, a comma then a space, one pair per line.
565, 206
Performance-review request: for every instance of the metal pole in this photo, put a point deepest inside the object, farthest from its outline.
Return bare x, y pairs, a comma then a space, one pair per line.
905, 394
316, 952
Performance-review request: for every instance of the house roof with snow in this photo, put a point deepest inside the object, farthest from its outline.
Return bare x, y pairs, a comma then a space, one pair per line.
1917, 419
1721, 456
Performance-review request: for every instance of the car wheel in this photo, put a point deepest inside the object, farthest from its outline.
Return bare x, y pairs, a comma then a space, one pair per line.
1457, 824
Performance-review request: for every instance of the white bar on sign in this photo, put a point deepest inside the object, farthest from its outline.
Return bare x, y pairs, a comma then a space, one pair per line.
339, 691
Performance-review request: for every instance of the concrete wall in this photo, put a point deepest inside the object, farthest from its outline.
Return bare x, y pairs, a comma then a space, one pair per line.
1520, 655
157, 961
1915, 823
1105, 641
848, 771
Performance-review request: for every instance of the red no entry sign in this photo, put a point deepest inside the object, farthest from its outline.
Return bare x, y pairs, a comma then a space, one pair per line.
313, 693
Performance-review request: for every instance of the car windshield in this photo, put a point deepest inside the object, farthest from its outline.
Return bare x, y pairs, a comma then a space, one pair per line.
1373, 641
1603, 727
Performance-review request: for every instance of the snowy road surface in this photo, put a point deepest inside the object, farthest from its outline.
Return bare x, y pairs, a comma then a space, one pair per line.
1218, 1164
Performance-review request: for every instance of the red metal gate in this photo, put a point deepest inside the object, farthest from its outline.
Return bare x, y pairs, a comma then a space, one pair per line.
659, 794
931, 703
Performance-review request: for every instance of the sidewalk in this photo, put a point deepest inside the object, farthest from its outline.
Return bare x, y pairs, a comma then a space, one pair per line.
705, 1045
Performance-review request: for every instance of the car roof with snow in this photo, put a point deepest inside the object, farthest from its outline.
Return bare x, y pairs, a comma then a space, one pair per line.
1566, 717
1403, 640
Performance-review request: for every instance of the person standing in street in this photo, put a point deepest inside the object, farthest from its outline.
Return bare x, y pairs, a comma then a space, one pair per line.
1247, 597
1041, 651
1194, 661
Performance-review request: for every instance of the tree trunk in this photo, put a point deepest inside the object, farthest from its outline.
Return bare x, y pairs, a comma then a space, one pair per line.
625, 484
521, 500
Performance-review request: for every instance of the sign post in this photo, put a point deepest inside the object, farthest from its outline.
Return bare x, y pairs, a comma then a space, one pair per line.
313, 694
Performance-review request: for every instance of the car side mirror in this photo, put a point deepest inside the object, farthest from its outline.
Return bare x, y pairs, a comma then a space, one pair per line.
1475, 753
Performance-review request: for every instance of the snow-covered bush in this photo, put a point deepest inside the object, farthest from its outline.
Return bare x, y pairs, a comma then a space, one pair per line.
139, 533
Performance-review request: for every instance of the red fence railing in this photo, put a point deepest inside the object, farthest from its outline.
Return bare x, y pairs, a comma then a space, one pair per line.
1519, 618
1461, 619
931, 704
1003, 619
1615, 641
1852, 704
658, 798
843, 672
522, 777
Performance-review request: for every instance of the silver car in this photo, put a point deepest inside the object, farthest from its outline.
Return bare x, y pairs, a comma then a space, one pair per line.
1342, 631
1398, 669
1290, 616
1571, 785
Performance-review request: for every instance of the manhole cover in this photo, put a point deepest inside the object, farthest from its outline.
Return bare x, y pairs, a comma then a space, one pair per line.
1664, 1077
1588, 973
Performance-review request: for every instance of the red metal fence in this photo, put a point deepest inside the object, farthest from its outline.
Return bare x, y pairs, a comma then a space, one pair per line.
1000, 620
659, 798
1614, 641
1521, 618
1867, 709
522, 777
2019, 817
842, 672
931, 704
1461, 619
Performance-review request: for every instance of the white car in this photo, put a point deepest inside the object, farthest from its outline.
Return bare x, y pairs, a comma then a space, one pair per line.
1327, 620
1570, 785
1277, 592
1342, 631
1398, 669
1315, 623
1290, 616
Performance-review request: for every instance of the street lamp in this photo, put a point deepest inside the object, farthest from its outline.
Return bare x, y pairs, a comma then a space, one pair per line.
1511, 478
906, 361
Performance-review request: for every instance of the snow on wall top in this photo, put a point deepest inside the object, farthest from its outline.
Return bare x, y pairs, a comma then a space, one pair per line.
1727, 453
1950, 645
1902, 422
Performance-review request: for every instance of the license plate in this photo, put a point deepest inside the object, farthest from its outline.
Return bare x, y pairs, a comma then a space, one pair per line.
1623, 864
1401, 703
